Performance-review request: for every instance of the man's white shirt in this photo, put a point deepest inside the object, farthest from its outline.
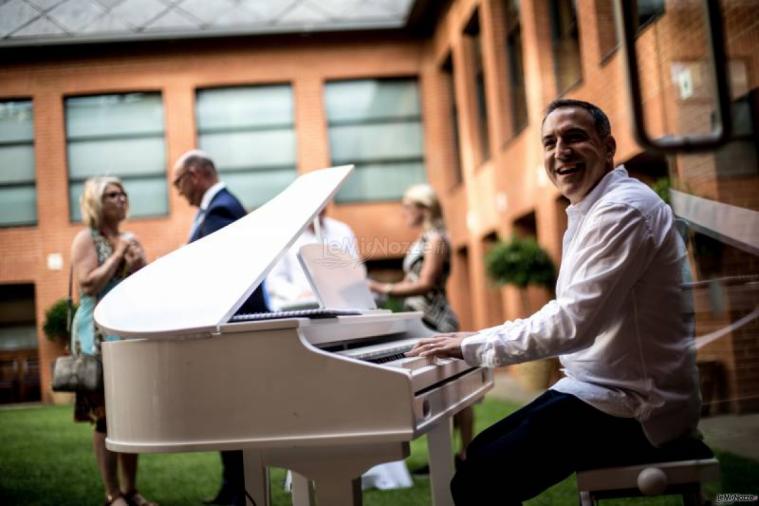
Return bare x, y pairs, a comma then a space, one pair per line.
619, 320
287, 283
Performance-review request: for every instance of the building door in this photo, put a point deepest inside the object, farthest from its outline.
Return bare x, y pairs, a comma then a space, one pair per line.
19, 359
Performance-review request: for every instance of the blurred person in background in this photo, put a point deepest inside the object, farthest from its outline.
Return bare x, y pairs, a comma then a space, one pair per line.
426, 267
287, 284
289, 288
196, 179
102, 256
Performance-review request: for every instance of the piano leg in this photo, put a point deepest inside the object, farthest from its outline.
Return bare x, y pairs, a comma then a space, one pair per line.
441, 463
302, 490
334, 470
256, 479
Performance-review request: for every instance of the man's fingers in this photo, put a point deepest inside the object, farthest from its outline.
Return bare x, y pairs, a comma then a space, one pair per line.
420, 345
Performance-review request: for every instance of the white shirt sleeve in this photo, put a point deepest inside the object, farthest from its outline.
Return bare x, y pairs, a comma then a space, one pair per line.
605, 258
280, 283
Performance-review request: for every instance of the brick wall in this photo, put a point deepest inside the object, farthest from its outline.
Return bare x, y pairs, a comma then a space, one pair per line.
495, 191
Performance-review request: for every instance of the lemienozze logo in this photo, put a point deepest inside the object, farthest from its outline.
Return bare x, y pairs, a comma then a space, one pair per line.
725, 499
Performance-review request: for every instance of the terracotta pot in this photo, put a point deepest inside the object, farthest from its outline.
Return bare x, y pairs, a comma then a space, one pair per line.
62, 398
537, 375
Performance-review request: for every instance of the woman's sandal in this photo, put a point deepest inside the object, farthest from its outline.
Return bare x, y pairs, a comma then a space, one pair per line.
134, 498
118, 500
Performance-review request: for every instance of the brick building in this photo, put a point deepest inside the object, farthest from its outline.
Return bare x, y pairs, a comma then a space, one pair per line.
447, 91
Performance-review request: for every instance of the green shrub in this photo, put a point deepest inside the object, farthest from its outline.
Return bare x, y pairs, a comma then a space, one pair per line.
662, 186
520, 262
55, 326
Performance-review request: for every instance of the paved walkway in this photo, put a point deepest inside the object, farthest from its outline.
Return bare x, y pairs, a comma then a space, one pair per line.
737, 434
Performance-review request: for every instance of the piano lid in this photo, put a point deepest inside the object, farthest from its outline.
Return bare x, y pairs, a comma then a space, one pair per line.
199, 286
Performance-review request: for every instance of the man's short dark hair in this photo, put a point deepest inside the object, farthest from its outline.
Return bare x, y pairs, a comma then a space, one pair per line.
600, 119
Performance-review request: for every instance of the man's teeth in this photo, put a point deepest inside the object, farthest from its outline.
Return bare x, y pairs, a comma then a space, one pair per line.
566, 170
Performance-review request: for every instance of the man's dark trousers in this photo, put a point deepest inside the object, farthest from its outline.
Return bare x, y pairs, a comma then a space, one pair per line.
224, 209
546, 441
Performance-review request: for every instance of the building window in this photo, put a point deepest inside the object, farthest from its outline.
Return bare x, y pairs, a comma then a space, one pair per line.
472, 34
565, 35
453, 119
648, 12
249, 132
118, 135
18, 193
514, 54
376, 124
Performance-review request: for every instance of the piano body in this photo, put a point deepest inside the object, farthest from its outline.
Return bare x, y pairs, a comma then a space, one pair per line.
325, 397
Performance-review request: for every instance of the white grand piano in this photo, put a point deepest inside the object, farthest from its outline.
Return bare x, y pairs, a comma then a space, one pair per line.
327, 398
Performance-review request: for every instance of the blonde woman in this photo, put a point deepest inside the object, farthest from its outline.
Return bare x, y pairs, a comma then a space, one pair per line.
102, 256
426, 268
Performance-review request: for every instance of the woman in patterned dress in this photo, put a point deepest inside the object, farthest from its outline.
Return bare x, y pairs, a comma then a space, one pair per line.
102, 256
426, 268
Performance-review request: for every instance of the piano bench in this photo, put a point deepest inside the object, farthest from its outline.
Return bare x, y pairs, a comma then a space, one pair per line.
683, 477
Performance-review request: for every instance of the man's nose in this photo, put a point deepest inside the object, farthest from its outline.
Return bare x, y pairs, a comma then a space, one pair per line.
562, 150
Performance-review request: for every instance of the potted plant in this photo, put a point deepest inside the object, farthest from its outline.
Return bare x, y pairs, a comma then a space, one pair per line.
522, 262
56, 322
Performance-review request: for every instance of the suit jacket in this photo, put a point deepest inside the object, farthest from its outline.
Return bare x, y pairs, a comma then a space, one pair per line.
223, 209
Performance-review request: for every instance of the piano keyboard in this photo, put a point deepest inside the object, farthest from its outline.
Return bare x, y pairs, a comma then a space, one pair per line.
381, 353
296, 313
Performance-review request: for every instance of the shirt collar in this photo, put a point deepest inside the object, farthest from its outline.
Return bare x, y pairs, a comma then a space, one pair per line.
591, 198
210, 194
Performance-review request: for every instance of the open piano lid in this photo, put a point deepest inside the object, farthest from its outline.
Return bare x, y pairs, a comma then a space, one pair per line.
201, 285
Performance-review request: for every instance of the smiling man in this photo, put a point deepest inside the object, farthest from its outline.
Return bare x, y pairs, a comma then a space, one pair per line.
618, 324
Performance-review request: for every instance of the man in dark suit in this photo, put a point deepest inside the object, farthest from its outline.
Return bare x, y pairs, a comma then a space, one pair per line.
196, 179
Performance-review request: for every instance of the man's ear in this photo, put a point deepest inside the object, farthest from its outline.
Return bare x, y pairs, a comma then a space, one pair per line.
611, 147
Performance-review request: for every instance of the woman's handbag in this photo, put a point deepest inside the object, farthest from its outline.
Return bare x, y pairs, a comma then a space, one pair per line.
76, 372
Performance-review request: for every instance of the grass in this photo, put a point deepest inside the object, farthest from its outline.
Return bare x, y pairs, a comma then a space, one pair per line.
46, 459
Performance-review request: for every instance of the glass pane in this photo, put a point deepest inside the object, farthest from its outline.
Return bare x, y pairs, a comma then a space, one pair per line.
255, 188
16, 121
371, 99
245, 107
16, 164
18, 205
261, 148
18, 337
147, 197
354, 143
104, 115
566, 44
118, 157
381, 182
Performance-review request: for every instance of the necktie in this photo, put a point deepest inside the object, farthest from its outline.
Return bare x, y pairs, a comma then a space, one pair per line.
197, 222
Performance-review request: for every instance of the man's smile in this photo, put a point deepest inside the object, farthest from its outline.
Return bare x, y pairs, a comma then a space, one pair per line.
568, 169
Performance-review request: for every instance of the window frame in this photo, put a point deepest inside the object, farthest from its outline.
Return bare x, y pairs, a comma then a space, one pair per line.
473, 46
199, 131
26, 183
415, 118
157, 175
554, 13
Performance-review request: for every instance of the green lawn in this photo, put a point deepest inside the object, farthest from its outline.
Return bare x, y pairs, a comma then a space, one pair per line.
46, 459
